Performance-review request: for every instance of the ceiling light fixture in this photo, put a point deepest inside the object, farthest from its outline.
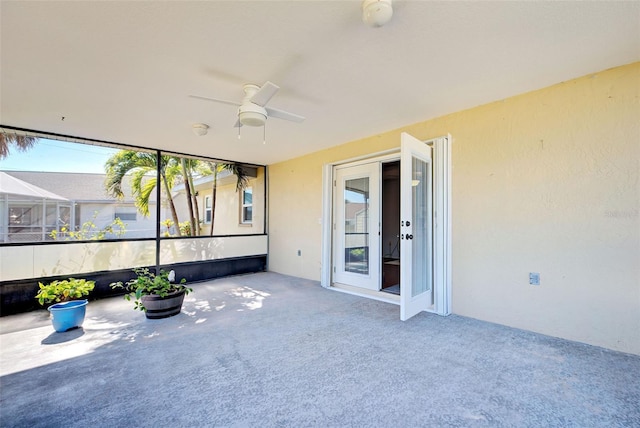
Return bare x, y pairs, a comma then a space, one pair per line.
200, 129
251, 114
376, 13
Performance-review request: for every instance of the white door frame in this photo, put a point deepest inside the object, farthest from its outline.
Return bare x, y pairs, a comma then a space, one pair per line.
441, 219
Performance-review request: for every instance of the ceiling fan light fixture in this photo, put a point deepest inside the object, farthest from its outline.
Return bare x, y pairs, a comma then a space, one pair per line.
252, 115
200, 129
252, 118
376, 13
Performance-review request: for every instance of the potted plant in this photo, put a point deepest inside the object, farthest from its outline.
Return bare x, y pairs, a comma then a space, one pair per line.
67, 308
159, 296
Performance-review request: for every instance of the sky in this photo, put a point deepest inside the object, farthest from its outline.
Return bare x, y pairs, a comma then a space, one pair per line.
58, 156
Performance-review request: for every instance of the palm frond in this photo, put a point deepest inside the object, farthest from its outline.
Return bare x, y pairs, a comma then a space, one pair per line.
242, 179
144, 195
125, 162
20, 142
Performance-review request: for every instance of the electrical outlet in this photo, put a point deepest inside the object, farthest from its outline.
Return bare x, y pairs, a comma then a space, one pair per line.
534, 278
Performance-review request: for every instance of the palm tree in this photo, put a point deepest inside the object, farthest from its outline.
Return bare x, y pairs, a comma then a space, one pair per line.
187, 188
21, 142
242, 180
189, 167
142, 166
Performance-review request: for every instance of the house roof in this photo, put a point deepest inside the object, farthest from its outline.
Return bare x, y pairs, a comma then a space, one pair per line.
123, 71
73, 186
16, 187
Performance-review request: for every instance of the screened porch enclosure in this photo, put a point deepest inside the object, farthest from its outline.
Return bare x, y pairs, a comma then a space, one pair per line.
129, 208
29, 213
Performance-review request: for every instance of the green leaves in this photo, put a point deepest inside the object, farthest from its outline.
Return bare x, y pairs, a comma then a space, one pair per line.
64, 290
89, 231
148, 283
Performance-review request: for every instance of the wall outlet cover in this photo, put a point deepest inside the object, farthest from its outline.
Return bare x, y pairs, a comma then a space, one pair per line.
534, 278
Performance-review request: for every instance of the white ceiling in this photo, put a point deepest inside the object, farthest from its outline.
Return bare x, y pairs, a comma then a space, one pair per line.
122, 71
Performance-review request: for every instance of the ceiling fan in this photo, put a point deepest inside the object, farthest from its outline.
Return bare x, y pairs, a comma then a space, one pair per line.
253, 110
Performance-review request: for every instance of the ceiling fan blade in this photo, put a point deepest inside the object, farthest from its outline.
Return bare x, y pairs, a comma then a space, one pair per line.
264, 94
216, 100
281, 114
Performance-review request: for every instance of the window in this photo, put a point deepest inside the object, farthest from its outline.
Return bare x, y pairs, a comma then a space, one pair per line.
247, 206
20, 216
207, 209
125, 216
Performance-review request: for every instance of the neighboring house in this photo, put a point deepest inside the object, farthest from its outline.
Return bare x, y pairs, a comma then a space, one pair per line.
71, 201
237, 212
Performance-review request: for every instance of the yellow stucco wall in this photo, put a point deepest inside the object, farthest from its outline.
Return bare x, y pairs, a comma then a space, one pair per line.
546, 182
228, 212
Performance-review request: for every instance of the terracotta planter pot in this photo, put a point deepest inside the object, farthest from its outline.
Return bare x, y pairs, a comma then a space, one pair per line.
163, 307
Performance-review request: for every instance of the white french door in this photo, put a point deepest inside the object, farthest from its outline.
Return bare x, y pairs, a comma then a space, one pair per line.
357, 226
416, 227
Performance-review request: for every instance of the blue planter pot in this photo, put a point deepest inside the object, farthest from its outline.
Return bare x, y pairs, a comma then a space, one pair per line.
68, 315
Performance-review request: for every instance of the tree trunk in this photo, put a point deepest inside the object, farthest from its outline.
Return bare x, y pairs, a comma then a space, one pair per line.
172, 207
213, 196
187, 188
195, 203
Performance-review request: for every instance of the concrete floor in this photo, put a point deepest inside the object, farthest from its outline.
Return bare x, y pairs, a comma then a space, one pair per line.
275, 351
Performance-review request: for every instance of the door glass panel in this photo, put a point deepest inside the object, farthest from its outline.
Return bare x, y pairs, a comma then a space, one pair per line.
356, 225
420, 263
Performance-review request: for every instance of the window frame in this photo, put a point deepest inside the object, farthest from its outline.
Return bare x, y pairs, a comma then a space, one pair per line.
243, 205
207, 212
119, 214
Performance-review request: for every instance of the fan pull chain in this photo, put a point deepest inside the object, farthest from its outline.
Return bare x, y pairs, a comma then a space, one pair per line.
238, 131
264, 134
